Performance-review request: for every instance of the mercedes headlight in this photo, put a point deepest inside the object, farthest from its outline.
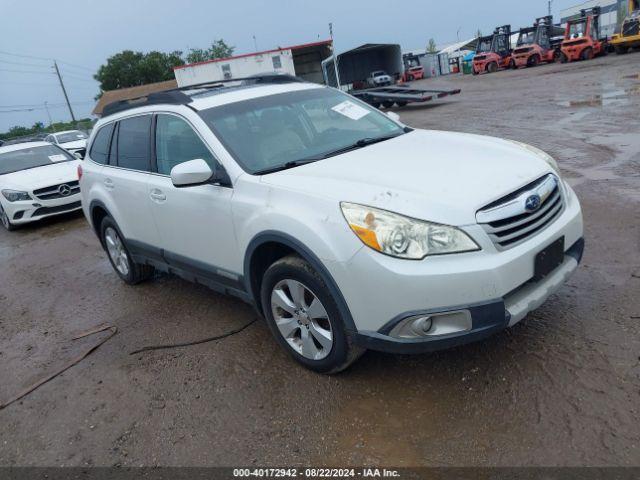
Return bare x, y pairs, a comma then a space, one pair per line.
403, 237
540, 153
15, 195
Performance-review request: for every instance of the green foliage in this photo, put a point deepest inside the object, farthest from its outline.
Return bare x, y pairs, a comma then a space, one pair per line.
39, 128
130, 69
432, 47
218, 49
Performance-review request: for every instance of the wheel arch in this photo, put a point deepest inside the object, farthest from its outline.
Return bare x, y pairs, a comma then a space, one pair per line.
269, 246
97, 212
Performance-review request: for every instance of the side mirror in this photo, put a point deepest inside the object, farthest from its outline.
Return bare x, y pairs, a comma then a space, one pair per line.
393, 116
191, 173
78, 155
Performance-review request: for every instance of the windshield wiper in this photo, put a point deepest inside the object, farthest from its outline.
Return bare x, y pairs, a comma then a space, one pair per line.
286, 166
363, 142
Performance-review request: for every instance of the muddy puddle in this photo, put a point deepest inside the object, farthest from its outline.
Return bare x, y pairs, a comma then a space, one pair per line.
615, 97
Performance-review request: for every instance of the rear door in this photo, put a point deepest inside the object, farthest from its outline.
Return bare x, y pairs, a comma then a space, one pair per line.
126, 178
195, 223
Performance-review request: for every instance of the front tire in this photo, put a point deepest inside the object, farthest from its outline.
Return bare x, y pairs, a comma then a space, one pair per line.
303, 316
4, 219
121, 261
492, 67
587, 54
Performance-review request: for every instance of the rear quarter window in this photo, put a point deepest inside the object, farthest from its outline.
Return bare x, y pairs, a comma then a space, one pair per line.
99, 152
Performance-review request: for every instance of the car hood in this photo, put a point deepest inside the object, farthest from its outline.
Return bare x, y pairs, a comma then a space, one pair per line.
41, 177
443, 177
74, 145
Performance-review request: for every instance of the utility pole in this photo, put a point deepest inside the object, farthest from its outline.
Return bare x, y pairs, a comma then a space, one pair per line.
55, 65
335, 56
46, 107
255, 43
549, 4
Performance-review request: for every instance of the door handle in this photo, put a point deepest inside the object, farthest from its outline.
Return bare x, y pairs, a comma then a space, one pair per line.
108, 183
157, 196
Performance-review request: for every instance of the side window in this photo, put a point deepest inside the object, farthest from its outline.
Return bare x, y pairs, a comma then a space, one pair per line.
100, 147
277, 62
176, 143
133, 143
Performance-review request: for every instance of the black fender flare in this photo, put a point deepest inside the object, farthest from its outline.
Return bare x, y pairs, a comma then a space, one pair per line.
306, 254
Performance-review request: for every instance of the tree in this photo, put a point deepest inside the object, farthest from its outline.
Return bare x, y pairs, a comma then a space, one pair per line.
432, 47
218, 49
130, 69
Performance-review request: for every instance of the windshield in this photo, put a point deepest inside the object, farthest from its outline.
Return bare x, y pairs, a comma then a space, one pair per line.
577, 30
379, 73
70, 137
268, 132
33, 157
527, 38
484, 45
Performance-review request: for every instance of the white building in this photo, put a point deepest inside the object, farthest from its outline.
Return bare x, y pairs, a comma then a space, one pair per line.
609, 13
304, 61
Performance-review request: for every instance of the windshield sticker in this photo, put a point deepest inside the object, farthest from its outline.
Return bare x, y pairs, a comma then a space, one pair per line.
351, 110
58, 157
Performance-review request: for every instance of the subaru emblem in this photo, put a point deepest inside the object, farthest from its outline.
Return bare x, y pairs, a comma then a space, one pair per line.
532, 203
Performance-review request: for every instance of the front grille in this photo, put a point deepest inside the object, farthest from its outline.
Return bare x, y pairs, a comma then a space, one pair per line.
508, 222
55, 191
58, 209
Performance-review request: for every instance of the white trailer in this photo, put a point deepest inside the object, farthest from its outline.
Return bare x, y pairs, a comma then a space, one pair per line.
304, 61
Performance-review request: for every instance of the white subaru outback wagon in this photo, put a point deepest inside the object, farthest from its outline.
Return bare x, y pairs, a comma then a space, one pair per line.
346, 229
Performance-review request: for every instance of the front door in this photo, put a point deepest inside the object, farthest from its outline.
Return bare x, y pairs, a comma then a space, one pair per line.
195, 223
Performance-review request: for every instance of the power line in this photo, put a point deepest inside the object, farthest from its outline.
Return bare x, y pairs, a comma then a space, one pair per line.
22, 64
25, 71
45, 58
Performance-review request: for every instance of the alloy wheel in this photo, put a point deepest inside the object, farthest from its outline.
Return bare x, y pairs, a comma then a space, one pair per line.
301, 319
4, 218
116, 251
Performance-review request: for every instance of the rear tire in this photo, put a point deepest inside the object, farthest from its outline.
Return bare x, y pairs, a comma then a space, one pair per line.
622, 50
492, 67
305, 319
119, 257
563, 58
587, 54
534, 61
387, 104
4, 219
401, 104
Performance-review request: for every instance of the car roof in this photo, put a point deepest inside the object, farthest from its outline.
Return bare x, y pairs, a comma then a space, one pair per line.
23, 146
205, 98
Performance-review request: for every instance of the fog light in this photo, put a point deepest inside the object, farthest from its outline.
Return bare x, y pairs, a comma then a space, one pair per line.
421, 325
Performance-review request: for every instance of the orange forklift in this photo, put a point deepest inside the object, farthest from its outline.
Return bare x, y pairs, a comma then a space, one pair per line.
538, 44
493, 53
582, 40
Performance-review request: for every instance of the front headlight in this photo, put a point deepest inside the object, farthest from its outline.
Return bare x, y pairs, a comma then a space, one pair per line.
540, 153
15, 195
403, 237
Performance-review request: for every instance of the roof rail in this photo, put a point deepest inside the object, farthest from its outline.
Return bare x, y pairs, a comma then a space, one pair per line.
176, 96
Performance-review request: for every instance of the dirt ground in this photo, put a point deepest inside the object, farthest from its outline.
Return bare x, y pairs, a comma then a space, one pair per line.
560, 388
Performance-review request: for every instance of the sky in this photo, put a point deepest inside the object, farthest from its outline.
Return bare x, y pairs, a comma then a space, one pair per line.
82, 34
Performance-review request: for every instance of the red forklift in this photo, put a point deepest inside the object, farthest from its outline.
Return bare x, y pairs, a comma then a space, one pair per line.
493, 53
582, 39
538, 44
